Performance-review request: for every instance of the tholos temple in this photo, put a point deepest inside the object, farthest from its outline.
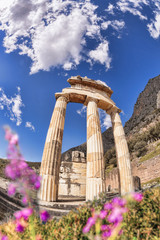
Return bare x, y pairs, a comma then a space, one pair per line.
93, 94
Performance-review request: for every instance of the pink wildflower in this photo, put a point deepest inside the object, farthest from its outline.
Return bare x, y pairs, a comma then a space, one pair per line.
25, 200
19, 227
37, 184
105, 227
44, 215
18, 214
108, 206
137, 197
9, 172
19, 171
11, 189
119, 201
116, 215
26, 213
86, 229
91, 221
4, 237
103, 214
14, 139
106, 234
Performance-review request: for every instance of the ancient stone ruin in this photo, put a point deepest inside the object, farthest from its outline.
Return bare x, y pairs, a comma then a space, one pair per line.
94, 95
72, 177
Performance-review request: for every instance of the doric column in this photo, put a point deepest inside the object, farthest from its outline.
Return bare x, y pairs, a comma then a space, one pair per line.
95, 182
51, 159
122, 152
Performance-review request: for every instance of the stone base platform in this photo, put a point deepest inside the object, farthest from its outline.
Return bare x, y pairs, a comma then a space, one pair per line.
62, 207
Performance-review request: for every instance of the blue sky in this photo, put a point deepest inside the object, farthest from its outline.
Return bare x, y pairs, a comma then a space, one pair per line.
43, 43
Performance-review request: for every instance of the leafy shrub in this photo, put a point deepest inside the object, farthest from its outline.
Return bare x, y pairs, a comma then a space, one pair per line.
140, 223
141, 152
139, 145
150, 155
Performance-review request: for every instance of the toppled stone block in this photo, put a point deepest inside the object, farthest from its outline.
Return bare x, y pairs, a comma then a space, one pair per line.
137, 183
78, 156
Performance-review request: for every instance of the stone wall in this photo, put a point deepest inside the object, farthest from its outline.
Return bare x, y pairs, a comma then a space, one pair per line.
112, 180
146, 171
72, 179
73, 175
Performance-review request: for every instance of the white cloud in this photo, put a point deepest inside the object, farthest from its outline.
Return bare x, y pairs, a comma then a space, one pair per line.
154, 26
107, 122
101, 54
82, 111
110, 9
133, 7
60, 42
54, 33
137, 7
13, 106
105, 119
116, 24
51, 32
30, 126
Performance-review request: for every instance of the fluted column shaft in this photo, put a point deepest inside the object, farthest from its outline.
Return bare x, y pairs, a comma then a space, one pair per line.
123, 156
51, 159
95, 182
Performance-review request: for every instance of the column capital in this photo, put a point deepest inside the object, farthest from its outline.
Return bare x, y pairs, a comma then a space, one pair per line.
59, 96
90, 99
113, 110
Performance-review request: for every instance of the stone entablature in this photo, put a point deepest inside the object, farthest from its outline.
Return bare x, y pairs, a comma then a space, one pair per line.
94, 95
87, 83
88, 89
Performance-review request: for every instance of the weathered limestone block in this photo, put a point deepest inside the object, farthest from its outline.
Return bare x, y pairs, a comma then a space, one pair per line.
73, 181
78, 156
137, 183
112, 179
50, 166
95, 161
122, 152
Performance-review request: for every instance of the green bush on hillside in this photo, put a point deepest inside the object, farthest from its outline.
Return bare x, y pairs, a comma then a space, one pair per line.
137, 144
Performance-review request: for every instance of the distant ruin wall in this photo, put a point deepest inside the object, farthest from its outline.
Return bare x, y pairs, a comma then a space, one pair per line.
73, 175
72, 178
146, 171
112, 180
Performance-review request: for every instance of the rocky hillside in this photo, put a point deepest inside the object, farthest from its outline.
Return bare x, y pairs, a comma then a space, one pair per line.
146, 110
147, 104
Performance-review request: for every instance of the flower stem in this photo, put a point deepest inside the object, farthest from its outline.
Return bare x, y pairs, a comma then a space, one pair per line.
32, 229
